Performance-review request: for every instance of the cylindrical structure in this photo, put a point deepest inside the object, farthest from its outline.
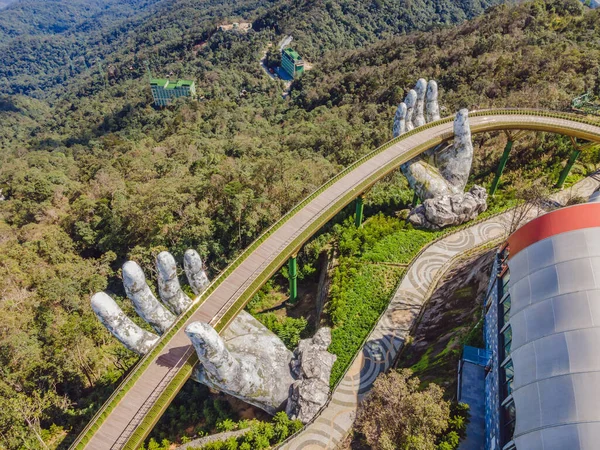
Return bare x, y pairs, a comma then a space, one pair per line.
359, 210
501, 166
555, 324
293, 277
565, 172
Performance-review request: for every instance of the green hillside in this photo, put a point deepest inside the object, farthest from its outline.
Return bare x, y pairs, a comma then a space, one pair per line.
539, 55
27, 18
96, 37
320, 26
47, 43
92, 174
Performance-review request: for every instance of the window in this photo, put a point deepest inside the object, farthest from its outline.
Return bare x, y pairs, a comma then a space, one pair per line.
504, 283
508, 422
506, 343
507, 374
504, 310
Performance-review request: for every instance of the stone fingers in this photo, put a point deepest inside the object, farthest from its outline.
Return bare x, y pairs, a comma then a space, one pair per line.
419, 107
169, 288
219, 366
410, 101
432, 109
400, 120
454, 162
419, 116
145, 303
194, 270
122, 327
425, 179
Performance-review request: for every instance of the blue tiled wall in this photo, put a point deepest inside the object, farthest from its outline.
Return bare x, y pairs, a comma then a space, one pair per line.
492, 397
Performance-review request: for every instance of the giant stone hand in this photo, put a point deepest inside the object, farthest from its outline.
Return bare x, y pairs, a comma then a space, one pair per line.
439, 175
246, 361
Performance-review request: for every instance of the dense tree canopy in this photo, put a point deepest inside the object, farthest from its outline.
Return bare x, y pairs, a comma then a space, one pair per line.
92, 174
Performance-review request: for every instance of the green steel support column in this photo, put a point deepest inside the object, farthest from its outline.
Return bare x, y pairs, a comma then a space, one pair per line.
293, 275
565, 172
501, 166
358, 216
415, 200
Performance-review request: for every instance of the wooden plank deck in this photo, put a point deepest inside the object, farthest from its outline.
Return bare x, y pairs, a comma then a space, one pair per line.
120, 424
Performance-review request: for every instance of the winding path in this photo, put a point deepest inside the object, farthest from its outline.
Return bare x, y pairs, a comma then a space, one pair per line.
138, 402
387, 338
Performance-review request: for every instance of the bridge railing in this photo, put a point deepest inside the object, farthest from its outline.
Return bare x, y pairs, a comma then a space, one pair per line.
232, 310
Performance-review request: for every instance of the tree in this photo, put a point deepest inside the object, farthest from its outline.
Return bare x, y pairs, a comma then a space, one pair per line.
531, 199
273, 57
398, 415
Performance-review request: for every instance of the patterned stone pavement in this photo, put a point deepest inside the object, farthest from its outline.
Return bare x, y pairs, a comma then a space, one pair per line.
390, 333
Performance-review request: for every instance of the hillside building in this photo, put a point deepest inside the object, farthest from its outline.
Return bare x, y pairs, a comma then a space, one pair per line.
542, 334
291, 62
165, 91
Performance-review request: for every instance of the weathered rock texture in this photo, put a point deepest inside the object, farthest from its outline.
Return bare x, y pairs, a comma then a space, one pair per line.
144, 301
168, 284
439, 175
121, 326
248, 362
447, 210
311, 368
194, 270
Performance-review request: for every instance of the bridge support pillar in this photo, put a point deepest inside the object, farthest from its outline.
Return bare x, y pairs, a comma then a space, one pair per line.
578, 148
511, 138
501, 166
358, 215
565, 172
293, 277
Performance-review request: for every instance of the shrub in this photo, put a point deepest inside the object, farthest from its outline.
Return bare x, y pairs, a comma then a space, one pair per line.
288, 329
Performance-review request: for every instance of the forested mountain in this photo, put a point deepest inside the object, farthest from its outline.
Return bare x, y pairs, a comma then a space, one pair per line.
45, 43
28, 18
92, 174
505, 58
325, 25
71, 39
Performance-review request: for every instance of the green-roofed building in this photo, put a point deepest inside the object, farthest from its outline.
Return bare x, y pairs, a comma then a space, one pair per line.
291, 62
164, 91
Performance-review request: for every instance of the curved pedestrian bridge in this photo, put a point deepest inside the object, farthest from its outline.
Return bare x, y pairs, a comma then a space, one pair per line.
138, 402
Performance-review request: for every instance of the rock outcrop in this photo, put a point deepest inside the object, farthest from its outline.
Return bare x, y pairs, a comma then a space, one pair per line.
311, 368
439, 175
448, 210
